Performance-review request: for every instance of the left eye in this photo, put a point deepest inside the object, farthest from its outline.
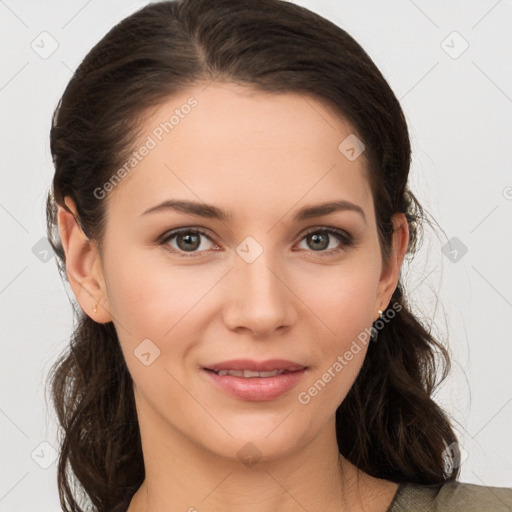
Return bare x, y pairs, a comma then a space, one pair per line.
319, 240
188, 241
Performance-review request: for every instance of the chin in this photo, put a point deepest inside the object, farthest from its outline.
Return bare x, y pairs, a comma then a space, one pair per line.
261, 442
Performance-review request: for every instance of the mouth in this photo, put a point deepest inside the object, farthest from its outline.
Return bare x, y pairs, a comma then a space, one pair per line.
248, 380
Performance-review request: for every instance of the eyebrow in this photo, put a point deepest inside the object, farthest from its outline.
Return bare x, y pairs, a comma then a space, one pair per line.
213, 212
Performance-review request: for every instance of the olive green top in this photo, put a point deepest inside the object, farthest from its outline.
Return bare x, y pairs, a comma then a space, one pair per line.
451, 497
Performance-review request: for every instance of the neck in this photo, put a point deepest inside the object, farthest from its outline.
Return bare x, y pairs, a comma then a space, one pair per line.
315, 477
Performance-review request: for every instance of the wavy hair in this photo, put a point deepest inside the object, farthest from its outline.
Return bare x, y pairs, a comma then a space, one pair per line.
388, 425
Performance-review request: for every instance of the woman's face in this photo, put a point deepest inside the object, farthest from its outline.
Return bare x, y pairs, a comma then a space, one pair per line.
272, 280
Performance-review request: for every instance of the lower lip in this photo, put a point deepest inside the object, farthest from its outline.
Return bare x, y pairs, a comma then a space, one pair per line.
256, 388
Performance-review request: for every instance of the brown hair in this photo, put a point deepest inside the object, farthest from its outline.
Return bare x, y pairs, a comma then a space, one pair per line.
388, 425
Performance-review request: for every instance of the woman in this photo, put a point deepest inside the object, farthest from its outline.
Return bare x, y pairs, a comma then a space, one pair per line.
231, 210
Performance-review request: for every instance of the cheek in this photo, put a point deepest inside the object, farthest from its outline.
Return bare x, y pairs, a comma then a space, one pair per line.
156, 300
342, 304
342, 298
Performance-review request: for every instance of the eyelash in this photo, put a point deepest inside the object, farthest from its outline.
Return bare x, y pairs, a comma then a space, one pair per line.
345, 239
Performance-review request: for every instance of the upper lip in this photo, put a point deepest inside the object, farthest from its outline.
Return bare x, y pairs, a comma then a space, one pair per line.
256, 366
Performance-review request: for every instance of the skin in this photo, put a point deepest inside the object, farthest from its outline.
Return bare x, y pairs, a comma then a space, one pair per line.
262, 158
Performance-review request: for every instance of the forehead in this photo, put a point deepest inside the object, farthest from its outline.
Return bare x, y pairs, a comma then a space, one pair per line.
233, 145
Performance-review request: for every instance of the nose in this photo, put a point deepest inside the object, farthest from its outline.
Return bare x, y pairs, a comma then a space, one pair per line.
258, 299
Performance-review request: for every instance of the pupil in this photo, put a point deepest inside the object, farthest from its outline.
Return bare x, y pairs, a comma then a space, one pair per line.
316, 238
189, 239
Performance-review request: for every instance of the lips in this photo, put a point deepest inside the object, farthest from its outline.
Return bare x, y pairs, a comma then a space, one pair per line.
253, 380
256, 389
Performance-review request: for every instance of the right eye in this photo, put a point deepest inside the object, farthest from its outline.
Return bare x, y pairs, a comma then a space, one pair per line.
188, 242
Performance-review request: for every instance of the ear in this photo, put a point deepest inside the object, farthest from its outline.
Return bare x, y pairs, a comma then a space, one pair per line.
391, 272
83, 265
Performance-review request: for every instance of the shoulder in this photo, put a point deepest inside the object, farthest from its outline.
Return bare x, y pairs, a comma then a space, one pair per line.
451, 496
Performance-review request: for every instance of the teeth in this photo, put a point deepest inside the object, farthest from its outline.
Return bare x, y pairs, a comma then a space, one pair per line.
249, 373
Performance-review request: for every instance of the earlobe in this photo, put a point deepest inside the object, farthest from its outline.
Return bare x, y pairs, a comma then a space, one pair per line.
83, 265
391, 273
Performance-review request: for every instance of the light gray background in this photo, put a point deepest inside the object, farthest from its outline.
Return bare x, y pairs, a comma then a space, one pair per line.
458, 107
